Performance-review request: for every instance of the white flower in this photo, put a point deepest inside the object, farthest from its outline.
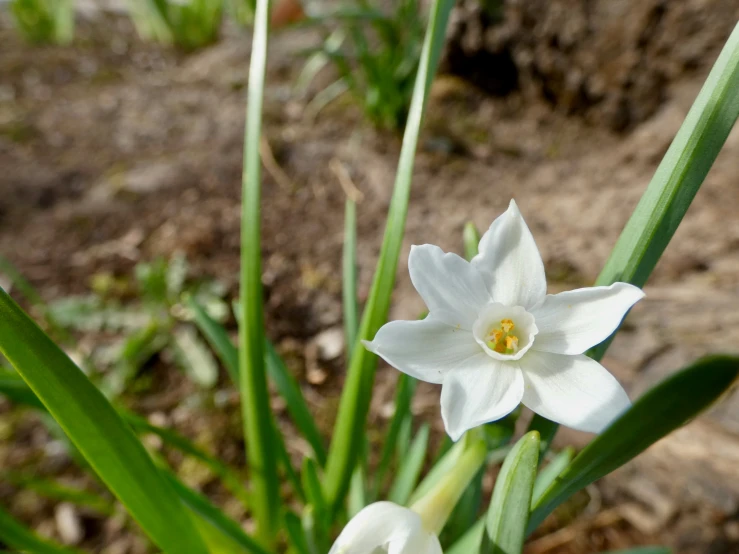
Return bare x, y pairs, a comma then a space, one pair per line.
386, 528
493, 337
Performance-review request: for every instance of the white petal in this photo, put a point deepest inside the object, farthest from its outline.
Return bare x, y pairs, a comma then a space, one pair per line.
426, 349
382, 524
572, 390
571, 322
484, 390
510, 262
447, 282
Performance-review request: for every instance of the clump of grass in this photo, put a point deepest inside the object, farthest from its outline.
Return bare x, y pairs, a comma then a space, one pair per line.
44, 21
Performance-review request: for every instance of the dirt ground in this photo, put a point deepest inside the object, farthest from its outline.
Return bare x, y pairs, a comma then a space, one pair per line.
113, 152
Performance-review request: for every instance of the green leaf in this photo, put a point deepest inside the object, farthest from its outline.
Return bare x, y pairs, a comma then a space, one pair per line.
678, 177
214, 524
316, 501
217, 337
660, 411
410, 468
470, 541
550, 472
471, 239
15, 388
405, 388
297, 407
286, 384
509, 508
231, 479
17, 536
295, 534
349, 275
355, 398
54, 490
357, 493
259, 429
97, 430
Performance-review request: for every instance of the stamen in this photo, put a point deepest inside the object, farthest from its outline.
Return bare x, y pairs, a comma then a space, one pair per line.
507, 325
511, 343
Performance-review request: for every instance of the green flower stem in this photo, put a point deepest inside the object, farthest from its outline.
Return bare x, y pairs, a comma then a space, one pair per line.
355, 398
258, 425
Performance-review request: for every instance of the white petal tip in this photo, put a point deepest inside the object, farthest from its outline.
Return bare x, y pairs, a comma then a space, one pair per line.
370, 345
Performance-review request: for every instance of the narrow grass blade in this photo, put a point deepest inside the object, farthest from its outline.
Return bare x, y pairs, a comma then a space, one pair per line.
357, 493
297, 407
286, 384
509, 508
97, 430
17, 536
258, 424
207, 514
677, 179
295, 534
550, 472
317, 503
15, 388
471, 239
660, 411
349, 275
410, 468
470, 541
231, 479
54, 490
680, 174
356, 395
218, 339
403, 395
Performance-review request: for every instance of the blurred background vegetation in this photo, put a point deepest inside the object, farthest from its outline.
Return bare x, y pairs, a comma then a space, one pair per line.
120, 143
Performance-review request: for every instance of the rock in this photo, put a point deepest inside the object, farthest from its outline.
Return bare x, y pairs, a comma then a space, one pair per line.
68, 524
330, 343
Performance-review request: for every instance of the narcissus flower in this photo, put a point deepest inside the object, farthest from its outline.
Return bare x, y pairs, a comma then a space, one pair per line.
493, 337
386, 528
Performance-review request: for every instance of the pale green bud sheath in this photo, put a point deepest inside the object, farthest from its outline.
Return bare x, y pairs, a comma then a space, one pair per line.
437, 504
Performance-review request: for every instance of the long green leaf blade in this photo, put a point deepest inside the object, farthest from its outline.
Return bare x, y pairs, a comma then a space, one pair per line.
680, 174
509, 508
95, 428
410, 468
300, 414
211, 516
550, 472
17, 536
660, 411
356, 395
286, 384
349, 277
259, 429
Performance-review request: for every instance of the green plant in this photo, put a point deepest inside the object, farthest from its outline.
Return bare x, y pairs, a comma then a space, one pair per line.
44, 21
189, 24
376, 56
425, 509
136, 320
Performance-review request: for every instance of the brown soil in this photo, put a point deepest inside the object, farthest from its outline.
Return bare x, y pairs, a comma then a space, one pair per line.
115, 152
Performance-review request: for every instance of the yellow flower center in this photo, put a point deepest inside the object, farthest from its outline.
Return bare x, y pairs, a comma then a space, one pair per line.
501, 339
